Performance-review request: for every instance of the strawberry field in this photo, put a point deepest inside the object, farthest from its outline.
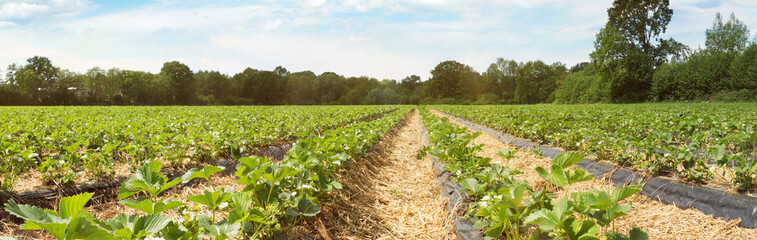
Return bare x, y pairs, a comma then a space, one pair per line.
66, 145
365, 172
696, 142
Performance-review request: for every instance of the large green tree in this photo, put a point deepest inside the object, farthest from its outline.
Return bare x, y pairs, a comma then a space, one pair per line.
410, 89
300, 88
537, 82
262, 87
38, 79
454, 80
724, 42
628, 48
182, 82
331, 87
215, 88
359, 87
731, 36
500, 78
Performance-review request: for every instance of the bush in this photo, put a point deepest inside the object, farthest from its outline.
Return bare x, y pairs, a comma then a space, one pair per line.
743, 70
487, 99
743, 95
583, 87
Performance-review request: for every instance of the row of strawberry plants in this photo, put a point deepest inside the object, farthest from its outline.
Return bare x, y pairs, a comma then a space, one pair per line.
502, 205
685, 139
275, 197
64, 142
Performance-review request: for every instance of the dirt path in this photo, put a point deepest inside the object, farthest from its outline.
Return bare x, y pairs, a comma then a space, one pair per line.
660, 221
387, 195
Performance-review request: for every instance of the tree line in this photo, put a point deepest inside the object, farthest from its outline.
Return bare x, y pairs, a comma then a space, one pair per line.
630, 63
39, 82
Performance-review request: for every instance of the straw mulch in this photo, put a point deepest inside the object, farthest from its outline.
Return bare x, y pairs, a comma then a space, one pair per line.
386, 195
660, 221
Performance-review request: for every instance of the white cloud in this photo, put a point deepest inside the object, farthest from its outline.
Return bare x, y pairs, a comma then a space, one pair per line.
22, 10
357, 39
272, 24
316, 3
6, 24
18, 10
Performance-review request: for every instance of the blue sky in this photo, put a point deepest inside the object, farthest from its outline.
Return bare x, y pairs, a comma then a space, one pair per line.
386, 39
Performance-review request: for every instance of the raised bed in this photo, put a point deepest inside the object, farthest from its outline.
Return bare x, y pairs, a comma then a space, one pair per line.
716, 202
455, 199
108, 189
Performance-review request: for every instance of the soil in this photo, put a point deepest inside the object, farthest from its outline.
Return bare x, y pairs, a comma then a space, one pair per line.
660, 221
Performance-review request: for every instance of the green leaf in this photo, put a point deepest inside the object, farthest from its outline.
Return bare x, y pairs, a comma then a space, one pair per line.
718, 155
146, 205
624, 192
471, 186
152, 223
211, 199
638, 234
580, 230
81, 228
250, 169
241, 200
336, 185
549, 219
136, 226
257, 215
38, 218
148, 178
577, 175
222, 230
567, 159
507, 153
278, 173
496, 230
166, 186
204, 173
558, 176
544, 174
305, 207
481, 224
70, 206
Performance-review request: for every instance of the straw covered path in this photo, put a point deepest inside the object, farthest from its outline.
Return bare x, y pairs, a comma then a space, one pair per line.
660, 221
388, 194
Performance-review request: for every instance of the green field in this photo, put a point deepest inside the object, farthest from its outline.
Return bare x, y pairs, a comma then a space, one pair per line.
62, 142
263, 198
684, 139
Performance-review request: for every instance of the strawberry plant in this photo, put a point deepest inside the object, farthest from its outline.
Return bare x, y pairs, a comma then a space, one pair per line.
504, 206
276, 196
659, 138
71, 222
71, 141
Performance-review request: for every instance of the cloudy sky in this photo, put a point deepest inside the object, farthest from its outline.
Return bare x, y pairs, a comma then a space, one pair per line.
386, 39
